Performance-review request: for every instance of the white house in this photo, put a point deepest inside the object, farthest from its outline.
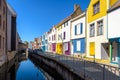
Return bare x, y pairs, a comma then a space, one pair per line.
49, 41
53, 36
78, 28
114, 32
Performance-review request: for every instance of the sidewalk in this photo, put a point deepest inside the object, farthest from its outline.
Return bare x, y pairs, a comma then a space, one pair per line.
86, 66
106, 62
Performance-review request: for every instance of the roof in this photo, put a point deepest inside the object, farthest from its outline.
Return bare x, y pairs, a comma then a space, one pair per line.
64, 20
77, 12
115, 6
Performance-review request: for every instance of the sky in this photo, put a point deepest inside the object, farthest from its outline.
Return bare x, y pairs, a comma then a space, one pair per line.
34, 17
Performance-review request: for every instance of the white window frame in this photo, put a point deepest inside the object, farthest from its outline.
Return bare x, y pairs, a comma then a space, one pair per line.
78, 45
92, 30
100, 27
96, 8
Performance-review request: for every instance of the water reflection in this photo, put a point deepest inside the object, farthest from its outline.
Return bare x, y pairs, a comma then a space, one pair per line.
27, 71
21, 68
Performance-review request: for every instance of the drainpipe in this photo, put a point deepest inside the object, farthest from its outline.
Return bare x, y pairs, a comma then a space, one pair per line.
118, 53
6, 50
110, 51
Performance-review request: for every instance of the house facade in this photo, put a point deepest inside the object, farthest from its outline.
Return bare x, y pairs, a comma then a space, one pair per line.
12, 43
50, 41
45, 42
59, 41
3, 29
113, 31
97, 42
36, 45
40, 42
78, 40
66, 35
53, 36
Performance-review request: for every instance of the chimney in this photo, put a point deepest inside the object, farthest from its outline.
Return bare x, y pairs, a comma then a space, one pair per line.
76, 6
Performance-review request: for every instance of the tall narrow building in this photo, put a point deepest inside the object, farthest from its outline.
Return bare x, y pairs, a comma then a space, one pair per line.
11, 32
3, 31
97, 42
113, 31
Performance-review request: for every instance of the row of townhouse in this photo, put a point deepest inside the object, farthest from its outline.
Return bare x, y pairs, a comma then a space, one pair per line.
94, 32
9, 36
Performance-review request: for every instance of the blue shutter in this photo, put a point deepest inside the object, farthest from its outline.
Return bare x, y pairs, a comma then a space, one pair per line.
74, 45
83, 45
81, 28
75, 29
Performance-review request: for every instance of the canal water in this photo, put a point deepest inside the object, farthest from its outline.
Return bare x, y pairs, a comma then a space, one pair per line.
21, 68
28, 71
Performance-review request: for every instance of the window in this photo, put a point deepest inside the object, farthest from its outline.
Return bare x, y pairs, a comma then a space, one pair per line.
0, 3
58, 37
3, 44
65, 24
0, 21
64, 35
100, 27
0, 42
66, 46
61, 36
78, 45
79, 29
96, 7
54, 36
46, 41
92, 30
3, 25
42, 42
4, 10
49, 38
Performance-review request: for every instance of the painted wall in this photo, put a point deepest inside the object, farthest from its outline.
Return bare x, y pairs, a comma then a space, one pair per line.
45, 41
79, 37
112, 2
94, 18
103, 10
49, 39
53, 33
98, 40
66, 48
59, 48
59, 41
115, 52
114, 24
66, 29
79, 45
54, 39
53, 47
76, 21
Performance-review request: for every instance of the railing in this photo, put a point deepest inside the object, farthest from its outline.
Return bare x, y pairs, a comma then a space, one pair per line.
95, 70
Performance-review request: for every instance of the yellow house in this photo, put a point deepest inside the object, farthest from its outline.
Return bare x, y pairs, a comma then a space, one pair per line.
97, 42
59, 45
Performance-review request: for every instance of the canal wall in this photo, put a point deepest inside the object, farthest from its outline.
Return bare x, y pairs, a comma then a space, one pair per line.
63, 70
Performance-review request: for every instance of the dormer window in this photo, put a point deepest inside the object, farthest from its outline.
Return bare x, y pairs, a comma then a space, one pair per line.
96, 8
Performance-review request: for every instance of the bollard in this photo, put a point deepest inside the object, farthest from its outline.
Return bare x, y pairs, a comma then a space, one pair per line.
103, 72
119, 62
